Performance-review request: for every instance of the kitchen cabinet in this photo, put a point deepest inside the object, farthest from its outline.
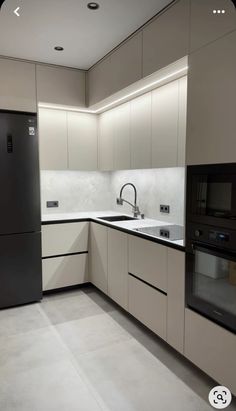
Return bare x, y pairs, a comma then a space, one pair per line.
141, 131
211, 348
17, 85
98, 267
126, 63
182, 122
106, 140
53, 147
211, 120
148, 305
82, 141
166, 38
165, 110
65, 238
60, 85
206, 26
64, 271
118, 267
99, 81
148, 261
175, 298
65, 254
121, 135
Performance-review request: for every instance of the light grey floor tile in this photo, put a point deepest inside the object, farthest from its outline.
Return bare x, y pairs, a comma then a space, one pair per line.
28, 350
128, 377
21, 319
91, 333
53, 387
74, 307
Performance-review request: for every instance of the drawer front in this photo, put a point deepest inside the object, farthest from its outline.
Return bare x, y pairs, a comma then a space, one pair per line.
64, 271
148, 261
211, 348
59, 239
148, 305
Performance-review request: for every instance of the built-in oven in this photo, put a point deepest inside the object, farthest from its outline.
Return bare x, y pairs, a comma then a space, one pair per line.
211, 194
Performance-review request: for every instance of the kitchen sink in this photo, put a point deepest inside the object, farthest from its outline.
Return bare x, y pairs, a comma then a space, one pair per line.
117, 218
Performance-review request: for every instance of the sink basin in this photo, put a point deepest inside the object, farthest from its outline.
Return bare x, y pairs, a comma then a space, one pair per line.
117, 218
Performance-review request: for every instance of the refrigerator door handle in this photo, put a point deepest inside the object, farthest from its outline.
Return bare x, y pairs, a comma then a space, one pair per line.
9, 144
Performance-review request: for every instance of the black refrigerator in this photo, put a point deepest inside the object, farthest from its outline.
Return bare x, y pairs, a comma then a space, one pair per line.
20, 225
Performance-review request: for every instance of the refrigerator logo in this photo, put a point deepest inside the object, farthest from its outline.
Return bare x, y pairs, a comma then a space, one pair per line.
31, 131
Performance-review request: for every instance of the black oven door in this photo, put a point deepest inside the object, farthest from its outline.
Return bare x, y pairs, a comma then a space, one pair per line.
211, 284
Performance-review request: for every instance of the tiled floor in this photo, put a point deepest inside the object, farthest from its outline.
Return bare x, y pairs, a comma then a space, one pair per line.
79, 351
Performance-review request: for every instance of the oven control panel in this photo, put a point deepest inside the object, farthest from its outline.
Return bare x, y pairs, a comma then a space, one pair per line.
219, 236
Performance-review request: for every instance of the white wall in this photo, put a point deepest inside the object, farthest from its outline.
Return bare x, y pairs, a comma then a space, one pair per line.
96, 191
75, 191
155, 187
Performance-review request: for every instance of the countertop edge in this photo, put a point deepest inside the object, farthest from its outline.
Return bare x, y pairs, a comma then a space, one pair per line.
124, 230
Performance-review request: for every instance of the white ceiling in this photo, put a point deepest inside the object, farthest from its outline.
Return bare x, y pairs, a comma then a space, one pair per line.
85, 35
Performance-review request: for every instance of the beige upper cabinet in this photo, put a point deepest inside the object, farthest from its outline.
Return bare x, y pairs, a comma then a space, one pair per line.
53, 148
165, 39
99, 81
59, 85
17, 86
106, 140
182, 122
141, 132
122, 137
206, 26
126, 63
211, 119
165, 106
82, 141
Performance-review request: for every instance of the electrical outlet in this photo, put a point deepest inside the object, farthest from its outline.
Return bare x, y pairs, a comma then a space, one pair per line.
165, 208
51, 204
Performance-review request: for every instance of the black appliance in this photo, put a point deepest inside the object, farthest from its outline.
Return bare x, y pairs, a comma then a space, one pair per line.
20, 225
211, 242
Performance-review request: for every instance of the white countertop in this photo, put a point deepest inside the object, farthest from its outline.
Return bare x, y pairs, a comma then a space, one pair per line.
127, 225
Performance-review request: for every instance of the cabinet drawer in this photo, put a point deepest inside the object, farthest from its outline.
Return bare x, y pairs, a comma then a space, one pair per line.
211, 348
148, 261
148, 305
58, 239
64, 271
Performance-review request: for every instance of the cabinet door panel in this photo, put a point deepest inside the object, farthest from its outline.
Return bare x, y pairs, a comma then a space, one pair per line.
98, 256
148, 261
64, 238
182, 122
17, 85
82, 141
53, 139
165, 39
148, 306
99, 81
106, 140
118, 267
165, 125
211, 120
126, 63
141, 132
205, 26
122, 137
64, 271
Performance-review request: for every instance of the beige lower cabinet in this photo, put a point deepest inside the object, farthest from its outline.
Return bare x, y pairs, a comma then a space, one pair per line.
148, 261
64, 252
176, 299
118, 267
148, 305
98, 256
64, 271
211, 348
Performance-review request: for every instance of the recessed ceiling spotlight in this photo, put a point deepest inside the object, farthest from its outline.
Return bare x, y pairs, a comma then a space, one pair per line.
58, 48
93, 6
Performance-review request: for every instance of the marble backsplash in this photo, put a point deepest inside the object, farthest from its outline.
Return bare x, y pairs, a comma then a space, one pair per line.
97, 191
